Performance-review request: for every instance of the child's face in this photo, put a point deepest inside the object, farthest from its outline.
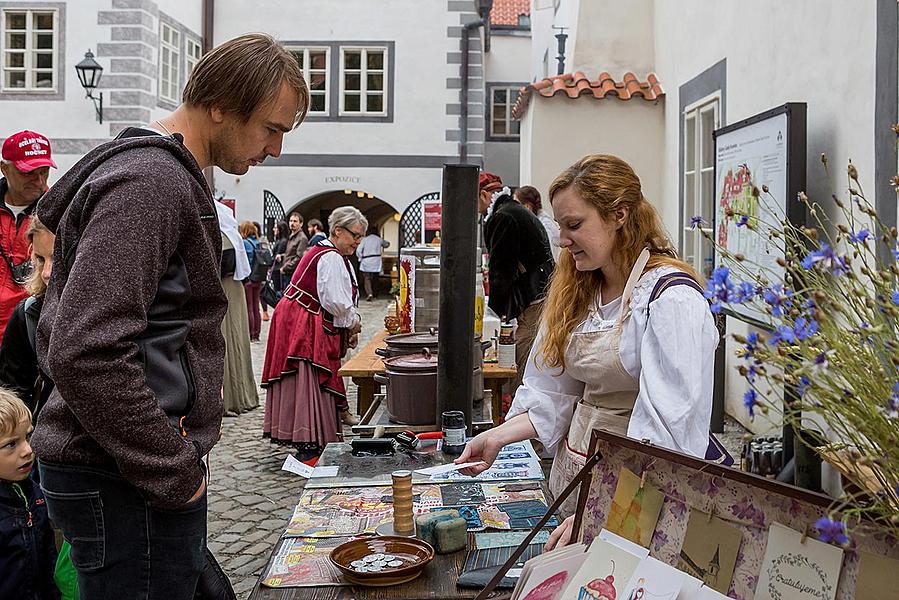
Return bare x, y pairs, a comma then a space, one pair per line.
16, 456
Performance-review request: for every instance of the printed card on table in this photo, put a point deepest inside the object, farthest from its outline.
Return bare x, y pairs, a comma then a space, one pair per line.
604, 574
656, 580
635, 509
797, 569
710, 550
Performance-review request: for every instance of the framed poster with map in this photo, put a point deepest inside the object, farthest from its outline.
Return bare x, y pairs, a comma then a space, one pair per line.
768, 149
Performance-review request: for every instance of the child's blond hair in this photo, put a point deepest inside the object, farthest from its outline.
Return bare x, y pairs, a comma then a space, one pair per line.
12, 412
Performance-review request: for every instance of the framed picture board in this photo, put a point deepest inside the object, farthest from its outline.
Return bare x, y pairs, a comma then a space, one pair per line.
747, 502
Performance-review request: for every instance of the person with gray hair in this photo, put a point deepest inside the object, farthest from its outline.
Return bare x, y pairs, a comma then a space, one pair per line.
311, 329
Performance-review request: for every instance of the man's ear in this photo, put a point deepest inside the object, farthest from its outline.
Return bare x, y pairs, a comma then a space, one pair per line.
217, 115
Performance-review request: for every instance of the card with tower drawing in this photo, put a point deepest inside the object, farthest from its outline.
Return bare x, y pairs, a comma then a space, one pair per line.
710, 550
635, 508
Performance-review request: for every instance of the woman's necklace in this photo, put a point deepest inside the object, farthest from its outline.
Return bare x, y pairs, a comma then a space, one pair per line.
164, 128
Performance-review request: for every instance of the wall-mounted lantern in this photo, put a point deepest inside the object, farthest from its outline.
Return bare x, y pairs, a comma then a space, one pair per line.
89, 72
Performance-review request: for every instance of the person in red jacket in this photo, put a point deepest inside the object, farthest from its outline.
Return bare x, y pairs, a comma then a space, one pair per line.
26, 165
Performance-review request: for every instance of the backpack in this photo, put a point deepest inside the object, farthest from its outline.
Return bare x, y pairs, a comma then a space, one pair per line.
262, 262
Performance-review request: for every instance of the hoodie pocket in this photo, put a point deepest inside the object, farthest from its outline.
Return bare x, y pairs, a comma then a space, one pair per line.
189, 379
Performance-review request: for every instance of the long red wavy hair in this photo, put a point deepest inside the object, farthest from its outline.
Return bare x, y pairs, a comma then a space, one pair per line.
608, 183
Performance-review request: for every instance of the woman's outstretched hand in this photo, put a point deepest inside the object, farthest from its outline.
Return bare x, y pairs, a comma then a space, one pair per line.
484, 447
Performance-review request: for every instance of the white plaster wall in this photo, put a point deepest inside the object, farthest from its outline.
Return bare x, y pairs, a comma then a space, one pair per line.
821, 53
612, 36
396, 186
543, 18
509, 58
421, 69
558, 131
74, 116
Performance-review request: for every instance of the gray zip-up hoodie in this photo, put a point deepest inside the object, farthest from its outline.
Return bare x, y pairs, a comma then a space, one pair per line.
130, 329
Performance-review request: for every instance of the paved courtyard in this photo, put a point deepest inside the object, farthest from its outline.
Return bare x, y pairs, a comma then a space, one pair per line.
250, 497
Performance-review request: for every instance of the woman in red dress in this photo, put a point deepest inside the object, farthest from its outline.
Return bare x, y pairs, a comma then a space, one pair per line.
311, 328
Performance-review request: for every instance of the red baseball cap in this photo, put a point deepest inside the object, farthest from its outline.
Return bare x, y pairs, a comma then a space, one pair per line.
28, 151
488, 182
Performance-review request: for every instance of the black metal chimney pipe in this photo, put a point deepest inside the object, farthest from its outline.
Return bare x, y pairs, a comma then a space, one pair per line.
458, 245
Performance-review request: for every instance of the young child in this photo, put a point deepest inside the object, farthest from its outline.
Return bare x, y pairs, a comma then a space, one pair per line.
27, 546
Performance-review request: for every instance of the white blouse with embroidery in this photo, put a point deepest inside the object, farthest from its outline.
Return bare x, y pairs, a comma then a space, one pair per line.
672, 353
335, 283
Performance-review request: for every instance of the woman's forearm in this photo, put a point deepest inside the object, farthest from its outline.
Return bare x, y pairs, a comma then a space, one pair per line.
516, 429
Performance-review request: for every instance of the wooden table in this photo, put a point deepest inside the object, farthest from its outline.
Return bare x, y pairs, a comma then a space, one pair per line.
365, 363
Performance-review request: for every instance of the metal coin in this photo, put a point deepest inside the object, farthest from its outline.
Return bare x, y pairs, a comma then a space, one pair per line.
362, 569
375, 568
370, 558
357, 563
389, 557
378, 555
395, 563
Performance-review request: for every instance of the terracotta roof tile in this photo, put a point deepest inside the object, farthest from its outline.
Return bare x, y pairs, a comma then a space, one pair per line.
577, 84
506, 12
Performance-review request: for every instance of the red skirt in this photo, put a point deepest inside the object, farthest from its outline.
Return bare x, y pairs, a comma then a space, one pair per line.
299, 412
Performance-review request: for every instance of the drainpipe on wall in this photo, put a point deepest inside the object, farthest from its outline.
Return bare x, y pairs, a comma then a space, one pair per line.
463, 110
208, 33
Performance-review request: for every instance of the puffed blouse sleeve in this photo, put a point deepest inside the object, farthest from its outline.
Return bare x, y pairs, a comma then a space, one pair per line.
548, 395
335, 289
677, 355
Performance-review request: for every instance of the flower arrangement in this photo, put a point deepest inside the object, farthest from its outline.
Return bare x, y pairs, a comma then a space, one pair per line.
830, 316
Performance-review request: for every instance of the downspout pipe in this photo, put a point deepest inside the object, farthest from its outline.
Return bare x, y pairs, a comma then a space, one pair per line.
463, 110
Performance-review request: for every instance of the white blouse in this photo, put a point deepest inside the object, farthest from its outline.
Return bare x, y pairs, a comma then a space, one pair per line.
335, 284
672, 353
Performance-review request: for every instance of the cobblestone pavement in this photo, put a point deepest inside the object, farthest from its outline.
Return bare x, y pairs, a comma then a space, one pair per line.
250, 497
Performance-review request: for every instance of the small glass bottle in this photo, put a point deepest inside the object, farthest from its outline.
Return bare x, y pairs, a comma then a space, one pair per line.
453, 426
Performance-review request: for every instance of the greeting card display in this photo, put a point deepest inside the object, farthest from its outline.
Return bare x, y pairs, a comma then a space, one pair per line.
764, 565
635, 509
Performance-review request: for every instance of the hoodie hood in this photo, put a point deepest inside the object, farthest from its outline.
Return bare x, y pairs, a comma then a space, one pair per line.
53, 204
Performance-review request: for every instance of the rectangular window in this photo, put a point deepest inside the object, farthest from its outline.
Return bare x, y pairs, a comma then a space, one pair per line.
314, 62
169, 62
29, 50
192, 56
700, 121
502, 125
363, 86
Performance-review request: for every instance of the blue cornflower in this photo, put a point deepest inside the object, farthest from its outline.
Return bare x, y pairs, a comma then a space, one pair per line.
752, 342
804, 382
830, 531
745, 292
749, 400
719, 288
827, 259
895, 297
743, 220
783, 333
778, 298
860, 237
805, 328
696, 221
895, 253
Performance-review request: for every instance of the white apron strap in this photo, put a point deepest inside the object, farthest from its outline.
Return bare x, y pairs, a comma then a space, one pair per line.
632, 280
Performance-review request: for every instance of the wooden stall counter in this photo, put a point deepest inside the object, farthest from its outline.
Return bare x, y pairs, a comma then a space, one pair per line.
363, 366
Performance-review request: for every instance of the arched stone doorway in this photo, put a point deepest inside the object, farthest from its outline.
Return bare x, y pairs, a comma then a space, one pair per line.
320, 206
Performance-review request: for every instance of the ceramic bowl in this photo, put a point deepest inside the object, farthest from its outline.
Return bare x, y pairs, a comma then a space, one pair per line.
416, 554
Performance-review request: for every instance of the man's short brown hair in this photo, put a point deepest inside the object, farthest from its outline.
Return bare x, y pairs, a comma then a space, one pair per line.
297, 215
243, 74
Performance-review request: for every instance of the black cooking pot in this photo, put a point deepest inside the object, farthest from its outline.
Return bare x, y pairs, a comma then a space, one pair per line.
411, 382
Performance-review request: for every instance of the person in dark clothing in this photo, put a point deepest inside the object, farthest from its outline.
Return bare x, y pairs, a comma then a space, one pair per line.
520, 263
18, 360
279, 247
316, 232
27, 544
296, 246
130, 331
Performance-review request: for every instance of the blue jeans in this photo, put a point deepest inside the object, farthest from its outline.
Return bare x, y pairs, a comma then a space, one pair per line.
121, 546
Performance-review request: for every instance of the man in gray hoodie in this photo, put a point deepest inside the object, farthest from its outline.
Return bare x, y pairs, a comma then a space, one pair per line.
130, 329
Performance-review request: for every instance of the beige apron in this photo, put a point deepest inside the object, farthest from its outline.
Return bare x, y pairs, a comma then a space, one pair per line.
609, 391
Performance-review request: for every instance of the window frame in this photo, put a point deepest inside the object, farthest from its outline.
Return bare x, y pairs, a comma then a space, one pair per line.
363, 81
490, 135
189, 61
29, 51
307, 73
176, 53
697, 199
